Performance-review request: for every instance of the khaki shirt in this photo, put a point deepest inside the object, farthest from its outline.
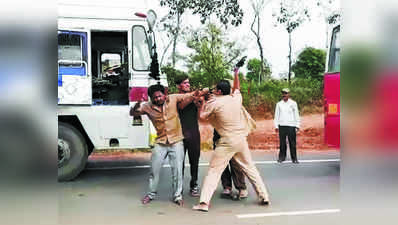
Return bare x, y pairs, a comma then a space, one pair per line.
227, 115
166, 119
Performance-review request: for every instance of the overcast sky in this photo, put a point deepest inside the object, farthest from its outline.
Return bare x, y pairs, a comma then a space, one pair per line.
274, 39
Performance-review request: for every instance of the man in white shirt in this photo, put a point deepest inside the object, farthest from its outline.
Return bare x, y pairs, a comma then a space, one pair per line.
287, 123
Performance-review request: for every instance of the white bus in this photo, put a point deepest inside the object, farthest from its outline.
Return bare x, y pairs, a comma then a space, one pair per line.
104, 61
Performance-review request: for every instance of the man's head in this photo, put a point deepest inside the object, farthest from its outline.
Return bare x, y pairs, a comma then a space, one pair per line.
158, 94
285, 94
183, 84
223, 88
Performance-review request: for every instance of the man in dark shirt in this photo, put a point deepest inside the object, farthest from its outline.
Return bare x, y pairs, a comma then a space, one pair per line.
190, 128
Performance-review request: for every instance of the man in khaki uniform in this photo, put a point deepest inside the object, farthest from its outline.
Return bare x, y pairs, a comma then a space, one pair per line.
233, 123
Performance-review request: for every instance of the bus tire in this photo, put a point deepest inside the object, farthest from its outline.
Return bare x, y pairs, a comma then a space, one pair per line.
72, 152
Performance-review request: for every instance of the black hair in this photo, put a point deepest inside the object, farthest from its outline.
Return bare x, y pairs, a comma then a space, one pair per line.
181, 78
224, 86
154, 88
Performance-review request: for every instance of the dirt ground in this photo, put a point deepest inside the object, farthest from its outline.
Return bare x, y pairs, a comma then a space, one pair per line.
310, 136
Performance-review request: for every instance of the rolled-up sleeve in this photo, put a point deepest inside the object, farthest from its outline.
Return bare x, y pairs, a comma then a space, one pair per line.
182, 97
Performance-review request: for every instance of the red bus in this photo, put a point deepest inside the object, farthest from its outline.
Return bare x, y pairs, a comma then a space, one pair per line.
332, 91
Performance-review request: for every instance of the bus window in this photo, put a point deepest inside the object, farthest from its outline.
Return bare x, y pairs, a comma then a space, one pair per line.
334, 54
72, 53
110, 62
141, 56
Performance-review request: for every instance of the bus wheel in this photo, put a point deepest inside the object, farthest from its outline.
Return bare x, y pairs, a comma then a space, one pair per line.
72, 152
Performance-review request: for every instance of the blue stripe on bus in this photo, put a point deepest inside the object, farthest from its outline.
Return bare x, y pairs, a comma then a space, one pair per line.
67, 70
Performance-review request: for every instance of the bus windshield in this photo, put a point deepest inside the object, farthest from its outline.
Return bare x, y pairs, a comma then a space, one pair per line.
334, 53
141, 56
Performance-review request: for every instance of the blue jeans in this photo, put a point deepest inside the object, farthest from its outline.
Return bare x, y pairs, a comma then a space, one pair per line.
175, 153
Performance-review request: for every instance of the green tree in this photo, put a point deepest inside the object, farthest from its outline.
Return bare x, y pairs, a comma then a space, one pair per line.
329, 14
254, 70
227, 11
310, 63
291, 14
213, 56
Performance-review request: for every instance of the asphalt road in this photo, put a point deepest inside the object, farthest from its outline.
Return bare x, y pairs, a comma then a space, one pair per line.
109, 192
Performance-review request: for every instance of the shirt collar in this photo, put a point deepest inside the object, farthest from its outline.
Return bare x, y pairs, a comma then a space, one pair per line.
155, 107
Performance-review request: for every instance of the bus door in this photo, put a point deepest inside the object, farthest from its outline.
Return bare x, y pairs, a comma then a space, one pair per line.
332, 92
139, 61
332, 109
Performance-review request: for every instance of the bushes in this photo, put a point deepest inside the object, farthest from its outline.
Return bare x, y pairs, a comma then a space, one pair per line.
307, 91
261, 99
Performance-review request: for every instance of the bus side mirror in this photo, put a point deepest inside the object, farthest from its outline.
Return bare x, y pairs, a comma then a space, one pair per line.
151, 19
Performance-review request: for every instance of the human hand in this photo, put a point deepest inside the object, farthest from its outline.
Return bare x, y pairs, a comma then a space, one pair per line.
205, 91
202, 92
142, 99
276, 130
198, 101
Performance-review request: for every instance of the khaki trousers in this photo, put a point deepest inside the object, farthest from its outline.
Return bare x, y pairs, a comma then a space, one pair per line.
226, 148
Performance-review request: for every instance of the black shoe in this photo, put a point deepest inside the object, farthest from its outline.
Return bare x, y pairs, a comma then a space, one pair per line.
179, 202
264, 202
280, 160
295, 162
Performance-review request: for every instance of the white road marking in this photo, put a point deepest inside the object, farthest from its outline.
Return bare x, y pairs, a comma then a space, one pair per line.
292, 213
207, 164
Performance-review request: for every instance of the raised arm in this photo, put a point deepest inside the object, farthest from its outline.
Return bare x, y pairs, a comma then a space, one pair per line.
236, 74
236, 80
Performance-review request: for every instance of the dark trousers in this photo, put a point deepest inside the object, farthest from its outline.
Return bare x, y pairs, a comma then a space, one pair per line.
290, 133
233, 172
192, 145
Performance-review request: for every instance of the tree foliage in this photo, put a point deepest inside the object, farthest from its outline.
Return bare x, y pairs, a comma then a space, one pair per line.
334, 18
291, 14
329, 13
310, 63
213, 56
227, 11
254, 70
